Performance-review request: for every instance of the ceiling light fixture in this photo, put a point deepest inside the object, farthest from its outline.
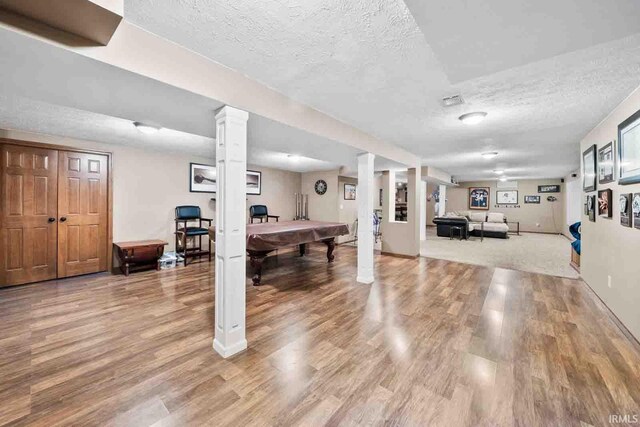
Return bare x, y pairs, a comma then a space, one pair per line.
293, 157
147, 129
472, 118
498, 171
503, 178
490, 155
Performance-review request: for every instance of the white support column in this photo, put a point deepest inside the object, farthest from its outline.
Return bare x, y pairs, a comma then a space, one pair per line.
423, 210
365, 218
442, 205
230, 282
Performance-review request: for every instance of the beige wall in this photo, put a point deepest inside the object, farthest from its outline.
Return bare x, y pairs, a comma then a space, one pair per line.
347, 209
546, 217
278, 192
148, 185
322, 207
401, 238
608, 248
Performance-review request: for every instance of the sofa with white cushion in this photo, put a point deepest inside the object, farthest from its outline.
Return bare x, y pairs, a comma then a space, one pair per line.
487, 224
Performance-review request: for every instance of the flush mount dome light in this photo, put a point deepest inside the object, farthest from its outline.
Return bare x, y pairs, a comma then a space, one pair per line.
498, 171
293, 157
490, 154
503, 179
472, 118
144, 128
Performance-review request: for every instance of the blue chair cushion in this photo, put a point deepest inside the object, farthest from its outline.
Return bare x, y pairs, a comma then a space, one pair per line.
258, 210
196, 231
187, 212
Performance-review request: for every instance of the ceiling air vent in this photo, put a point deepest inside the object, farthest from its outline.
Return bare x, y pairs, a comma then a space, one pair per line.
450, 101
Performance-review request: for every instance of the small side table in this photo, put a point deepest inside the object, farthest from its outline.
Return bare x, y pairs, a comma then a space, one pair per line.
517, 223
140, 255
453, 230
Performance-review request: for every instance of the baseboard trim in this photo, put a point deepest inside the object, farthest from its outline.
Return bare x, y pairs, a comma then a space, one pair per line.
400, 255
231, 350
612, 316
365, 280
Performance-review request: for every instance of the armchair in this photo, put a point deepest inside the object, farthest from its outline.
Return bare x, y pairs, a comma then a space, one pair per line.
261, 212
186, 215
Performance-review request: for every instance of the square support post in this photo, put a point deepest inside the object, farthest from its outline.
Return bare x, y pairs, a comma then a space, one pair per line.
230, 256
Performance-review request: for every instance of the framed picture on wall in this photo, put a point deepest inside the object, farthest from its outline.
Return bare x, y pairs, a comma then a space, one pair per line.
381, 197
349, 192
554, 188
606, 164
625, 209
202, 178
629, 150
507, 197
532, 199
635, 209
589, 169
479, 198
591, 207
254, 182
604, 203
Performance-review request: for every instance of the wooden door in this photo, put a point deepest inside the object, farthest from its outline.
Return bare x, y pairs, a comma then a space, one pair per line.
82, 213
28, 211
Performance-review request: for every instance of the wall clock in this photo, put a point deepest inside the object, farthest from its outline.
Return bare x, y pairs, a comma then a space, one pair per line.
321, 186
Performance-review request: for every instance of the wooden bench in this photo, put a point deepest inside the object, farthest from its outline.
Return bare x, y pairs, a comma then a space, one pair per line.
140, 255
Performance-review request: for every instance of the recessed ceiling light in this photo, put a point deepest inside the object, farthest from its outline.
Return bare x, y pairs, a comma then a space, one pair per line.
503, 178
490, 154
498, 171
472, 118
144, 128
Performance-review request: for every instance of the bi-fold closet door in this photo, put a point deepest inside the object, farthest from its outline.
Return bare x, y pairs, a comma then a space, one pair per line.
53, 213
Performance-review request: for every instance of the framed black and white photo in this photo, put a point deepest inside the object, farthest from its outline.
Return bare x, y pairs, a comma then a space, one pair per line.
635, 209
479, 198
349, 192
589, 169
554, 188
625, 209
202, 178
606, 164
532, 199
254, 182
507, 197
604, 203
629, 150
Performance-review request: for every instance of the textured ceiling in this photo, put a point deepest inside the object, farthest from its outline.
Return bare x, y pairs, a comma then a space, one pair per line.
476, 38
370, 64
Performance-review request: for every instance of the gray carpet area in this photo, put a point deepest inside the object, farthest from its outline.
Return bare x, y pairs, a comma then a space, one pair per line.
533, 252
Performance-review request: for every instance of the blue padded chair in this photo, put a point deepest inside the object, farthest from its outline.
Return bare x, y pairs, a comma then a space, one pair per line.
261, 212
186, 215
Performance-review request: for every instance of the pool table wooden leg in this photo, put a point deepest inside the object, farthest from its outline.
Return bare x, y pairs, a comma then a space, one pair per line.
331, 245
303, 248
256, 259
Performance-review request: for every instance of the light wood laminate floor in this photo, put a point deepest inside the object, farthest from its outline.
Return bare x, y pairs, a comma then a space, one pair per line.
431, 342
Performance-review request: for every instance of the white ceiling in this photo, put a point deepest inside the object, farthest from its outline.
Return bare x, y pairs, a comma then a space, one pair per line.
546, 72
49, 90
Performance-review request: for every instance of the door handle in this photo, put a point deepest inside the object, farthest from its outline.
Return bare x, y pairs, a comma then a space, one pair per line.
52, 220
63, 219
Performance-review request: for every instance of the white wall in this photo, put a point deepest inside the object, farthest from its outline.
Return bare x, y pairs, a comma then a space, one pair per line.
608, 248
